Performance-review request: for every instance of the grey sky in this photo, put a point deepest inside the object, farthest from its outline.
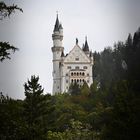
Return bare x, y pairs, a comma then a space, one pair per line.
103, 21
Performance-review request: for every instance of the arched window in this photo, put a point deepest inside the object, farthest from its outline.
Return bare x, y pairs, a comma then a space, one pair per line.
83, 74
77, 80
72, 74
77, 74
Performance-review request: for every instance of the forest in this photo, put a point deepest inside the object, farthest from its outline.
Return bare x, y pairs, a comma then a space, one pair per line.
107, 110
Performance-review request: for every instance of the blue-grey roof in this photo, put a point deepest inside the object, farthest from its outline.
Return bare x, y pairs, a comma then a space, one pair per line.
85, 46
56, 27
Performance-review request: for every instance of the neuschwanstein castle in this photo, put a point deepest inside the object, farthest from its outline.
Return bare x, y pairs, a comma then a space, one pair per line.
76, 66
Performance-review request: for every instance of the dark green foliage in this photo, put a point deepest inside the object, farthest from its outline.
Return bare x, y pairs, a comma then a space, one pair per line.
107, 110
29, 119
5, 50
124, 121
36, 109
34, 102
66, 109
76, 131
6, 11
74, 89
120, 63
96, 67
5, 47
117, 72
85, 89
12, 125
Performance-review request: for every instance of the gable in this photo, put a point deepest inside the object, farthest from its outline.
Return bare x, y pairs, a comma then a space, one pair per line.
76, 55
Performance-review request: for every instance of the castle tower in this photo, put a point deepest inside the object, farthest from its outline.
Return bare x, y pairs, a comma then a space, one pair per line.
86, 47
57, 51
75, 66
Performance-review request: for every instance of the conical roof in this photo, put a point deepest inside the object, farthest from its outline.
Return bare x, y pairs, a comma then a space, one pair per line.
60, 26
86, 47
56, 27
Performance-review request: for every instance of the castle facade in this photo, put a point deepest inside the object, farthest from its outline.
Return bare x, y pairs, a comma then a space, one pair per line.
76, 66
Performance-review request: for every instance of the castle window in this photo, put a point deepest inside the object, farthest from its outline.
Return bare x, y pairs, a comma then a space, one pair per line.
85, 67
69, 67
72, 74
72, 81
77, 74
83, 74
76, 67
76, 59
77, 80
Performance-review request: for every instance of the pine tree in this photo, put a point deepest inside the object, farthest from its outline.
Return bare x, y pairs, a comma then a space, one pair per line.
74, 89
85, 89
34, 108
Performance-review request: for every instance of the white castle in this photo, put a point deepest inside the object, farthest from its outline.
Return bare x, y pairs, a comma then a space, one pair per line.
76, 66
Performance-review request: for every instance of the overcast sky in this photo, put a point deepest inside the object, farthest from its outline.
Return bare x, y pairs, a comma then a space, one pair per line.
102, 21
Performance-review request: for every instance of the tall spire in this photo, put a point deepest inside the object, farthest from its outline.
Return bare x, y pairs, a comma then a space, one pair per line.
86, 47
56, 27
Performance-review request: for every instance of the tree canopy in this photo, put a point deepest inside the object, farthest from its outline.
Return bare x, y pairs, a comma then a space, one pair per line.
107, 110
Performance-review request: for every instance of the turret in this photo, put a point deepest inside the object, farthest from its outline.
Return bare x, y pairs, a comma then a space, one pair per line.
86, 47
57, 35
61, 29
57, 51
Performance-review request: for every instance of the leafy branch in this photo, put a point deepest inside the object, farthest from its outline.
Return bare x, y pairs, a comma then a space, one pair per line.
5, 50
6, 11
